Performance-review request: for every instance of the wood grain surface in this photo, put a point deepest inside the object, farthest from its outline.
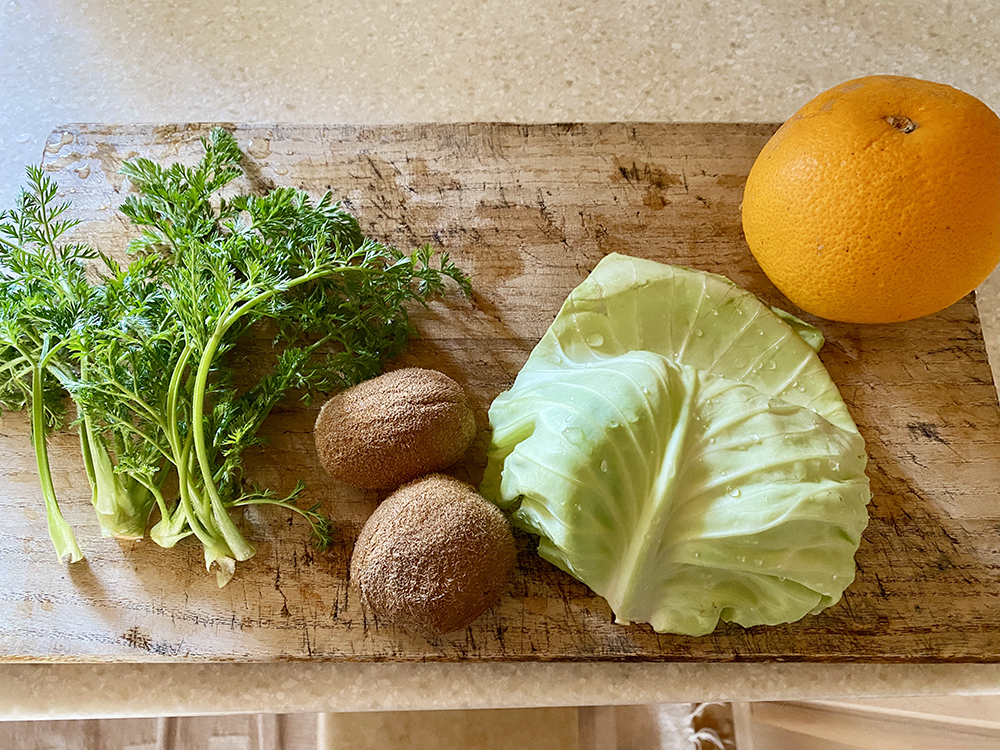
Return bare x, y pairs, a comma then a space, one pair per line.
528, 211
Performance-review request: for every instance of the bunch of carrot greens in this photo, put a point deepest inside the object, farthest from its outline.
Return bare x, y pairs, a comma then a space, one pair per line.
143, 348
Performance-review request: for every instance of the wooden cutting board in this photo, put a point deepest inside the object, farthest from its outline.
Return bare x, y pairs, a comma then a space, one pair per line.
528, 211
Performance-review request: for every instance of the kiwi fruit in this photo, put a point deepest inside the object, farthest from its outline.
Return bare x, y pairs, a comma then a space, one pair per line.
395, 427
433, 556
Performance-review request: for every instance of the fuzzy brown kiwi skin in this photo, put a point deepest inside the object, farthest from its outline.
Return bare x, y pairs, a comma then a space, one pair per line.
390, 429
433, 557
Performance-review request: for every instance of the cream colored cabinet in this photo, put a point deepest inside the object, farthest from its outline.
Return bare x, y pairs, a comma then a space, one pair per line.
951, 723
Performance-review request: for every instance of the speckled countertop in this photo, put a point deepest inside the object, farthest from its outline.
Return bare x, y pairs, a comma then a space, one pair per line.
325, 61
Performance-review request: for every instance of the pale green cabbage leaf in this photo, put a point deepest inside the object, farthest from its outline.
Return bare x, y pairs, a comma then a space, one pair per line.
680, 448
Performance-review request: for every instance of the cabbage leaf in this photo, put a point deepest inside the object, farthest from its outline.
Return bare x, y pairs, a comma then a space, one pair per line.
677, 446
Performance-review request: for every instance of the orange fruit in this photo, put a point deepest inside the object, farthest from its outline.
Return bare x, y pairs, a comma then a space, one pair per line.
878, 201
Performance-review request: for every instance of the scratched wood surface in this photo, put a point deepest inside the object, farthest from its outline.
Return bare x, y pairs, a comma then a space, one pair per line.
528, 211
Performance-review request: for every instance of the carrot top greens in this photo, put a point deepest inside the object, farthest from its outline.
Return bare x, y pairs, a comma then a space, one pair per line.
145, 350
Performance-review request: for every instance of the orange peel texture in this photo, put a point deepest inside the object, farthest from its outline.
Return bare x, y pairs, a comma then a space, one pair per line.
878, 201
